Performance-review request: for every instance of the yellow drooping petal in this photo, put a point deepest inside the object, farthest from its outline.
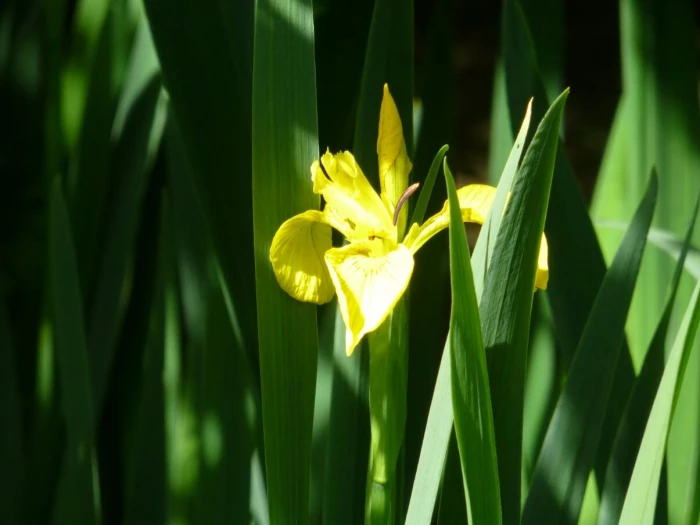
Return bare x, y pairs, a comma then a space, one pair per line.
394, 164
348, 192
475, 202
297, 257
368, 286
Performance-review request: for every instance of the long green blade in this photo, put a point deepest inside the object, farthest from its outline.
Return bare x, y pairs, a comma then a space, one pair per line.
284, 145
576, 262
640, 502
471, 399
507, 301
76, 499
632, 424
572, 439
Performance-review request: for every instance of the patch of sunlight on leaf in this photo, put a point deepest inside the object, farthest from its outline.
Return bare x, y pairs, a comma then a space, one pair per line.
291, 13
45, 365
250, 408
258, 494
417, 119
184, 469
212, 440
591, 503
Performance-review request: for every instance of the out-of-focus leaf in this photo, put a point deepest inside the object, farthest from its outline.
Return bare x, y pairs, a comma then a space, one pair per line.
569, 449
205, 52
142, 130
11, 453
76, 498
471, 399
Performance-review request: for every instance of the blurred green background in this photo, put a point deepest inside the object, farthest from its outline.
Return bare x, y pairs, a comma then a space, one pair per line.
149, 149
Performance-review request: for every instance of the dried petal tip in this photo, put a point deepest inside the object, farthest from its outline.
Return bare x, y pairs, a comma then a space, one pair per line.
406, 194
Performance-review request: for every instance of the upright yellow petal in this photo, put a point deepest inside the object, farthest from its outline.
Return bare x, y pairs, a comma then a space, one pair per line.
352, 198
474, 201
394, 164
368, 286
296, 255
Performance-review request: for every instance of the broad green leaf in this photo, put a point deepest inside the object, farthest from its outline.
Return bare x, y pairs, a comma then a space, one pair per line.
483, 250
569, 449
631, 429
471, 399
205, 52
507, 301
76, 497
640, 501
284, 122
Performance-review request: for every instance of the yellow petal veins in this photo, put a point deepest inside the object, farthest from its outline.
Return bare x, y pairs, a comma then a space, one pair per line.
368, 286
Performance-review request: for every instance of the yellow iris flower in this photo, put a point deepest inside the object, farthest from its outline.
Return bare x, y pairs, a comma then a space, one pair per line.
371, 273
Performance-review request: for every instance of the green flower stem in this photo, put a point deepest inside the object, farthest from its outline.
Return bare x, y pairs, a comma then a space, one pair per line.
388, 371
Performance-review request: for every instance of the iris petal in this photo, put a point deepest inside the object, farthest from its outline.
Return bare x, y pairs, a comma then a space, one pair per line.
368, 286
348, 192
394, 164
475, 202
296, 255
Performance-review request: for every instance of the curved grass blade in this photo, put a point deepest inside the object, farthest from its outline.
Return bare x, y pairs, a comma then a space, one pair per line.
76, 499
507, 301
284, 123
572, 439
640, 501
427, 187
633, 422
471, 399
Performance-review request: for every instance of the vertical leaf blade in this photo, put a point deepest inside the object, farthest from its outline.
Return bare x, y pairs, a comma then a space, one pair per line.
285, 143
507, 301
471, 398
